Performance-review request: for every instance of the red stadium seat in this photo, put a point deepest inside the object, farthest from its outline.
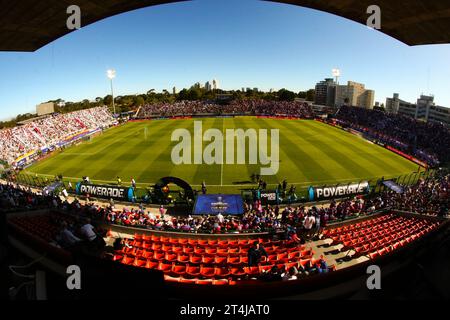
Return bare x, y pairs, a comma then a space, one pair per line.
221, 272
208, 259
138, 262
252, 270
210, 250
223, 243
137, 236
220, 282
159, 255
151, 264
183, 258
192, 242
177, 249
156, 246
179, 269
220, 260
202, 242
207, 271
237, 271
147, 238
188, 249
212, 242
193, 271
173, 241
170, 257
127, 260
195, 259
265, 268
199, 250
155, 238
234, 260
165, 267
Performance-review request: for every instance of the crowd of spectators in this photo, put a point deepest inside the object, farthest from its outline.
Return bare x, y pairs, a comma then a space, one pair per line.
430, 196
428, 141
49, 131
254, 107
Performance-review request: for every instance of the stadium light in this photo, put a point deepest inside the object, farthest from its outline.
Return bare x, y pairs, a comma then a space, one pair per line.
336, 73
111, 74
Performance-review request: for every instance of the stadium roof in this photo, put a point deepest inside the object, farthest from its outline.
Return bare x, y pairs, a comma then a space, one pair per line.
28, 25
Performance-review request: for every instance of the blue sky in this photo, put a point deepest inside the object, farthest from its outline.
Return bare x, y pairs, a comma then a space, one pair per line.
242, 43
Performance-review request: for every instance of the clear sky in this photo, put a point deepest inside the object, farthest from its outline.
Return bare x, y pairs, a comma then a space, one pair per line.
242, 43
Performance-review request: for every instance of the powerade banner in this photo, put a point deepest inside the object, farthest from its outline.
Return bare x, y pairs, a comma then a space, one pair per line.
323, 193
105, 192
267, 197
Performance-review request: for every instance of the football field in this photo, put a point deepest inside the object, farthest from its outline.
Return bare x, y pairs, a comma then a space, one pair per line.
310, 153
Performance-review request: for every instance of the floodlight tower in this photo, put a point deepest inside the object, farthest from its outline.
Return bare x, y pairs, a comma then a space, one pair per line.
336, 74
111, 74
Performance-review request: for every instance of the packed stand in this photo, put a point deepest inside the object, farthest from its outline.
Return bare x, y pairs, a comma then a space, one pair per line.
426, 141
49, 131
254, 107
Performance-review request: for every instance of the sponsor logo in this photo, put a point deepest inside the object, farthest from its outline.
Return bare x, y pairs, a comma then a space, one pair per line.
104, 191
338, 191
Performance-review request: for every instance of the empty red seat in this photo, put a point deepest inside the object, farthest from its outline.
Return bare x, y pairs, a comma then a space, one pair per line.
222, 272
151, 264
195, 259
139, 262
265, 268
155, 238
159, 255
221, 251
188, 249
202, 242
237, 271
147, 238
212, 242
177, 249
183, 258
179, 269
251, 270
233, 260
165, 267
193, 270
199, 250
170, 256
220, 260
173, 241
209, 250
165, 239
127, 260
207, 271
208, 259
137, 236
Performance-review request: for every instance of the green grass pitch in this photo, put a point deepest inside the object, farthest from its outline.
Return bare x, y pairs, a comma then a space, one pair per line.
311, 153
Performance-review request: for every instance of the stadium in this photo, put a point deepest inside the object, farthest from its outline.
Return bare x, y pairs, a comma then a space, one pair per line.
257, 196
